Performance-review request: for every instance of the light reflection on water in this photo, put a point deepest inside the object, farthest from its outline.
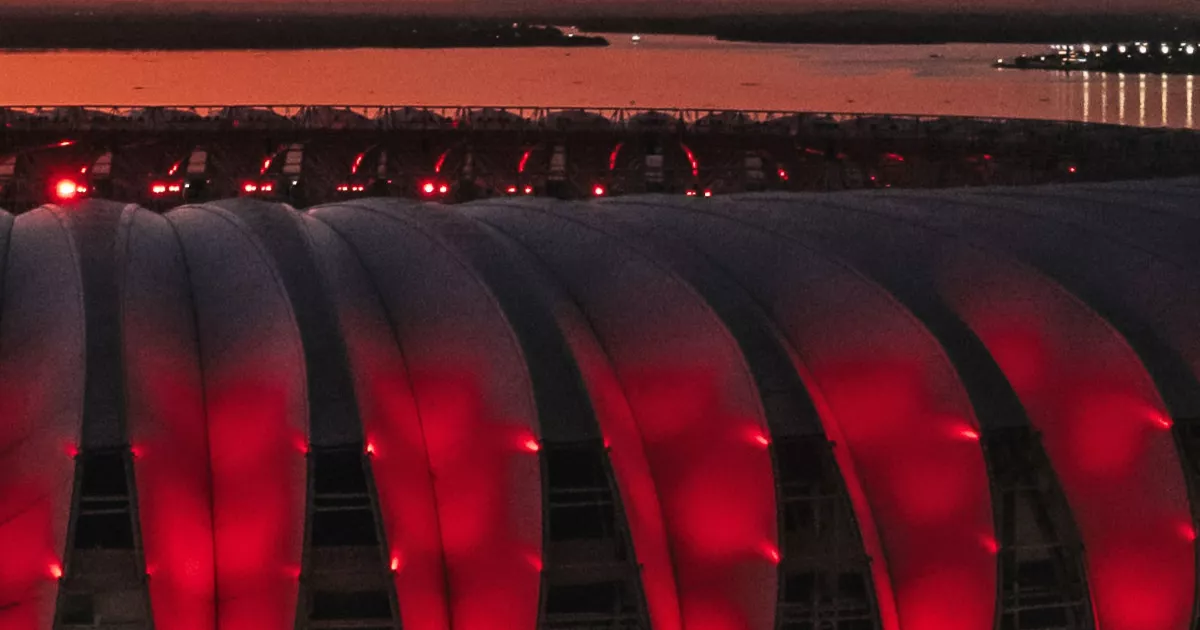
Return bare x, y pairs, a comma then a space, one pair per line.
660, 71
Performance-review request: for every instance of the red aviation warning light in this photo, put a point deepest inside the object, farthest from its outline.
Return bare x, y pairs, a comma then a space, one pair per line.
67, 189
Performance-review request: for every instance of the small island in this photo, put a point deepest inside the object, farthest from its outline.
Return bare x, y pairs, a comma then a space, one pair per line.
1134, 57
88, 30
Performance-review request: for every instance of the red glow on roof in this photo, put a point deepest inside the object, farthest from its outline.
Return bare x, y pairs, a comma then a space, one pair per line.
524, 161
895, 157
357, 163
441, 161
612, 157
692, 160
56, 571
67, 189
531, 445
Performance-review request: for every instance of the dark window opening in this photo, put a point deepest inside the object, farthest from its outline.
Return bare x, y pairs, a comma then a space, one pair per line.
78, 609
104, 531
578, 522
342, 512
335, 605
344, 528
104, 475
802, 461
339, 472
104, 518
596, 598
576, 467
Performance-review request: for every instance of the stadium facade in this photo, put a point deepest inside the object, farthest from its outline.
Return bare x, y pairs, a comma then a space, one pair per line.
947, 410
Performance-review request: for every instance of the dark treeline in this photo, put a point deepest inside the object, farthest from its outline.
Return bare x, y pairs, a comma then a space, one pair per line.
100, 30
885, 27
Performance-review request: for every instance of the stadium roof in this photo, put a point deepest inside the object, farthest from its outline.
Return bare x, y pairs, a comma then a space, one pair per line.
220, 343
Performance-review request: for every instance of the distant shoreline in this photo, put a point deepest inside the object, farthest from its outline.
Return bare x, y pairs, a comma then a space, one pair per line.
28, 29
130, 33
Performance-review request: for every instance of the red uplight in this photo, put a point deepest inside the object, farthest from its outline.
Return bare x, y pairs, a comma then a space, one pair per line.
158, 189
66, 143
512, 190
529, 190
708, 193
67, 189
135, 452
266, 165
443, 189
762, 440
970, 434
531, 445
1072, 170
771, 552
343, 188
370, 448
598, 191
1188, 532
394, 566
249, 187
56, 571
691, 193
1164, 421
175, 188
267, 187
428, 188
783, 175
524, 161
991, 545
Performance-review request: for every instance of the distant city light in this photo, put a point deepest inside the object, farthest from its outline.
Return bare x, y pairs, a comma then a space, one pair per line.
1122, 48
1191, 50
1087, 48
1165, 49
1142, 49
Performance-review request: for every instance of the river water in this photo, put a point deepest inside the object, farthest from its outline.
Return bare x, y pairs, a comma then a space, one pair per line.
659, 71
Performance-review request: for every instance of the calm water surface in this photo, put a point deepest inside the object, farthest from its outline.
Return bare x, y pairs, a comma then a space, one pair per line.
660, 71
